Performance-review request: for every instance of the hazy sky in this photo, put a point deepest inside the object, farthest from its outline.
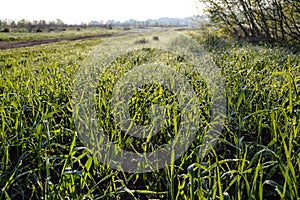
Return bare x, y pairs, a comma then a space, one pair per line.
76, 11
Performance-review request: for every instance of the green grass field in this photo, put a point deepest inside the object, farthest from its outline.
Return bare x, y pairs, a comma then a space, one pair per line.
21, 36
257, 156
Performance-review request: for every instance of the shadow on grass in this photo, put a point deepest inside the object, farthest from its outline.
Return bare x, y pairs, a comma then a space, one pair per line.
214, 42
290, 46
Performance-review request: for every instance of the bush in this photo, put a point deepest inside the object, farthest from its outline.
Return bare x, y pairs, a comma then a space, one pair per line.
5, 30
141, 41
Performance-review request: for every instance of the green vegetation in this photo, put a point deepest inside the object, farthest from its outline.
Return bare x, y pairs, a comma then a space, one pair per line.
260, 19
16, 35
257, 157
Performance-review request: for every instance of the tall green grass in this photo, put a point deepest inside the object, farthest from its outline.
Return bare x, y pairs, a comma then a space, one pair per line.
257, 156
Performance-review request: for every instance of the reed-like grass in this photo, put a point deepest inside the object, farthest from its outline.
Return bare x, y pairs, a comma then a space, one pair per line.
257, 156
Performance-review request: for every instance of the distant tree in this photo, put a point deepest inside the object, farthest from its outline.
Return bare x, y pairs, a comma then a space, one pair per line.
42, 24
4, 24
109, 24
21, 23
30, 26
59, 22
13, 24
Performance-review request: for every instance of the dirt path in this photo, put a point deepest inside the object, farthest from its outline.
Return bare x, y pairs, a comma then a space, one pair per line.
10, 45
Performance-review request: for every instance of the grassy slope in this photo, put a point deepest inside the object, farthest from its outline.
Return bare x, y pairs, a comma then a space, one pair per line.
257, 157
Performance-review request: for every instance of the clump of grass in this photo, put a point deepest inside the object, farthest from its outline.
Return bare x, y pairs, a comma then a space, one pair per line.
141, 41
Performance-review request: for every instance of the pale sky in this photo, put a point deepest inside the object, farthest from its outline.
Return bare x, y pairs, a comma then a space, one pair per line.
76, 11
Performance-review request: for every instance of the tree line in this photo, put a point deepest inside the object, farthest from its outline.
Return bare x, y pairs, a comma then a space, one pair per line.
42, 25
263, 19
31, 25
